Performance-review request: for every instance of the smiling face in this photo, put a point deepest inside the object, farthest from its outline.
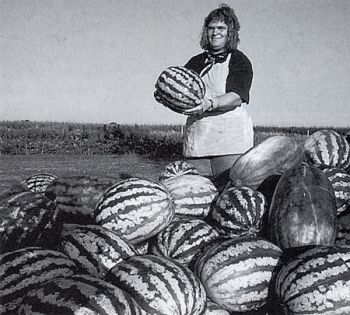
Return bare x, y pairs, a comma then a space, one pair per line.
217, 36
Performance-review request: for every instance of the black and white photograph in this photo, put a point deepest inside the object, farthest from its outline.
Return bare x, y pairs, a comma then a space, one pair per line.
174, 157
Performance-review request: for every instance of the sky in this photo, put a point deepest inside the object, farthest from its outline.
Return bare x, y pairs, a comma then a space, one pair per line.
97, 61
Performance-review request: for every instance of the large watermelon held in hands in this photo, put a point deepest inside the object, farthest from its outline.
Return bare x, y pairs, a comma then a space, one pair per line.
303, 209
178, 88
272, 156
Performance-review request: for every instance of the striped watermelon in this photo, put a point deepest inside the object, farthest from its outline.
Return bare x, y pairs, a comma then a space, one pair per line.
135, 208
327, 147
183, 240
272, 156
25, 269
239, 211
213, 308
179, 88
340, 181
237, 273
177, 168
142, 247
316, 282
39, 182
28, 219
303, 209
94, 248
78, 294
160, 285
193, 194
77, 196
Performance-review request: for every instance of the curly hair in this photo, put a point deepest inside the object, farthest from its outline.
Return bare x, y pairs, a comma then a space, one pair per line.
223, 14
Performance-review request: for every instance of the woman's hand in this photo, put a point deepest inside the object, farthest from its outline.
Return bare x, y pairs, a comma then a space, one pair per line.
202, 106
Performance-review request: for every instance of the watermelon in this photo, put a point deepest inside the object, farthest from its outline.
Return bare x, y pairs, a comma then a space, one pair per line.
183, 240
25, 269
135, 208
303, 209
77, 196
39, 182
193, 194
213, 308
239, 212
273, 155
340, 181
160, 285
327, 147
94, 248
179, 88
28, 219
177, 168
237, 272
316, 282
343, 229
78, 294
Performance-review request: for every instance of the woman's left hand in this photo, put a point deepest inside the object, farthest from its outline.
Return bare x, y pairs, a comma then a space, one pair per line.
202, 106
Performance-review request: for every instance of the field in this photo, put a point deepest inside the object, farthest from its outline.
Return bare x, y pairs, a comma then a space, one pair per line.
19, 167
28, 147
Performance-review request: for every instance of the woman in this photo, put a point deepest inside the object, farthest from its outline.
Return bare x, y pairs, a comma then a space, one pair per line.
219, 129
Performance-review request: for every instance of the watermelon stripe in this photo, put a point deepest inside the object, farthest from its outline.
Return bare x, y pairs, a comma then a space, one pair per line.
179, 88
196, 80
25, 269
327, 147
77, 292
150, 281
180, 75
238, 211
313, 271
171, 288
169, 86
95, 249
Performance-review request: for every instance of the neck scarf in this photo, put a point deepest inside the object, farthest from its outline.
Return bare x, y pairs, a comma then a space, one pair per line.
212, 59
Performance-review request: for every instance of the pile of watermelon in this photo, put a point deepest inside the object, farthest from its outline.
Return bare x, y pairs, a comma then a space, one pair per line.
274, 239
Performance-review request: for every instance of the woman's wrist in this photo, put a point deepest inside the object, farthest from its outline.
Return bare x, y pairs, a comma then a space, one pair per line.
213, 104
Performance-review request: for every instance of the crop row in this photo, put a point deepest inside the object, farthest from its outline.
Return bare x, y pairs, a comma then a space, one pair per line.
154, 141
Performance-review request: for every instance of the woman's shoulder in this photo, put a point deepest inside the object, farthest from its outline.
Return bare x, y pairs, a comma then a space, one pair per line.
239, 57
240, 60
199, 57
196, 62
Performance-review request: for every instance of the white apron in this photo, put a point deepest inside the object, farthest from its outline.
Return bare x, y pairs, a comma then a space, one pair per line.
218, 133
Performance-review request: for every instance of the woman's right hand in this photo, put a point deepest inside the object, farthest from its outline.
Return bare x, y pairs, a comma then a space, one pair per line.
202, 106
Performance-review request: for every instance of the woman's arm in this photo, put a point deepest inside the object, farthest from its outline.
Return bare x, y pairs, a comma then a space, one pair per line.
222, 103
226, 102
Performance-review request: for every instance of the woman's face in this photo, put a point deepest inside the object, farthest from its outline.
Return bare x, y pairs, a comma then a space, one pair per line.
217, 35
